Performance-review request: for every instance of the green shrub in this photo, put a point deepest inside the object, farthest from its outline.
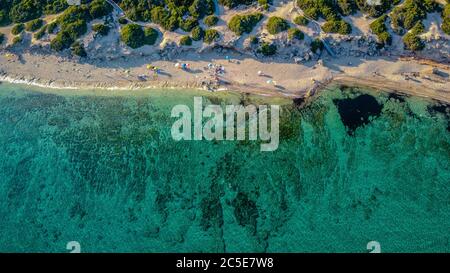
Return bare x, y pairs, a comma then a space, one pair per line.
295, 33
316, 45
199, 8
267, 49
25, 10
123, 21
34, 25
2, 38
253, 40
407, 15
197, 33
264, 4
376, 10
235, 3
72, 14
186, 40
17, 40
211, 35
211, 20
4, 18
301, 20
78, 49
17, 29
62, 41
446, 26
55, 6
132, 35
38, 35
276, 25
413, 42
151, 35
167, 20
101, 29
188, 24
338, 26
52, 27
99, 8
244, 23
379, 28
347, 7
418, 28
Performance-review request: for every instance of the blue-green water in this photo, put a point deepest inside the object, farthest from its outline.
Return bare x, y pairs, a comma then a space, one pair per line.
103, 170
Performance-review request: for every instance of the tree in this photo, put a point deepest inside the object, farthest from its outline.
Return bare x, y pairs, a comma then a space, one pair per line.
295, 33
78, 49
244, 23
301, 20
211, 35
316, 45
101, 29
276, 25
151, 35
197, 33
34, 25
132, 35
413, 42
99, 8
211, 20
267, 49
186, 40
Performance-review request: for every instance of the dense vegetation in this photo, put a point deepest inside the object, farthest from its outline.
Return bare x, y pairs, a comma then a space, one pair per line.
412, 40
34, 25
446, 19
211, 20
101, 29
17, 29
186, 40
235, 3
20, 11
295, 34
405, 16
316, 45
169, 14
244, 23
379, 28
135, 36
78, 49
210, 36
337, 26
267, 49
276, 25
301, 21
197, 33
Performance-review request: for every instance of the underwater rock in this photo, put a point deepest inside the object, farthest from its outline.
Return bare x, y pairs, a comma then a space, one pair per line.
245, 211
357, 112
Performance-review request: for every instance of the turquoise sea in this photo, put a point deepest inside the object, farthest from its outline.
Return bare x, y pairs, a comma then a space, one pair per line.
101, 168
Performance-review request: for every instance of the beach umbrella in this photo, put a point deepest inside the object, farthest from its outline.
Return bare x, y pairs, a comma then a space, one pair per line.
177, 65
260, 73
269, 81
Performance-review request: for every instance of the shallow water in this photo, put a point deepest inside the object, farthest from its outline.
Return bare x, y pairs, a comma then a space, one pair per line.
104, 171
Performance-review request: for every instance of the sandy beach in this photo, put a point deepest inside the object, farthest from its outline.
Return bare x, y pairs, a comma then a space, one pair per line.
240, 73
294, 71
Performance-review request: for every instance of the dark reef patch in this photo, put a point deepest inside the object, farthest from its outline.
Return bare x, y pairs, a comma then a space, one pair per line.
245, 211
358, 111
441, 108
298, 102
396, 96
